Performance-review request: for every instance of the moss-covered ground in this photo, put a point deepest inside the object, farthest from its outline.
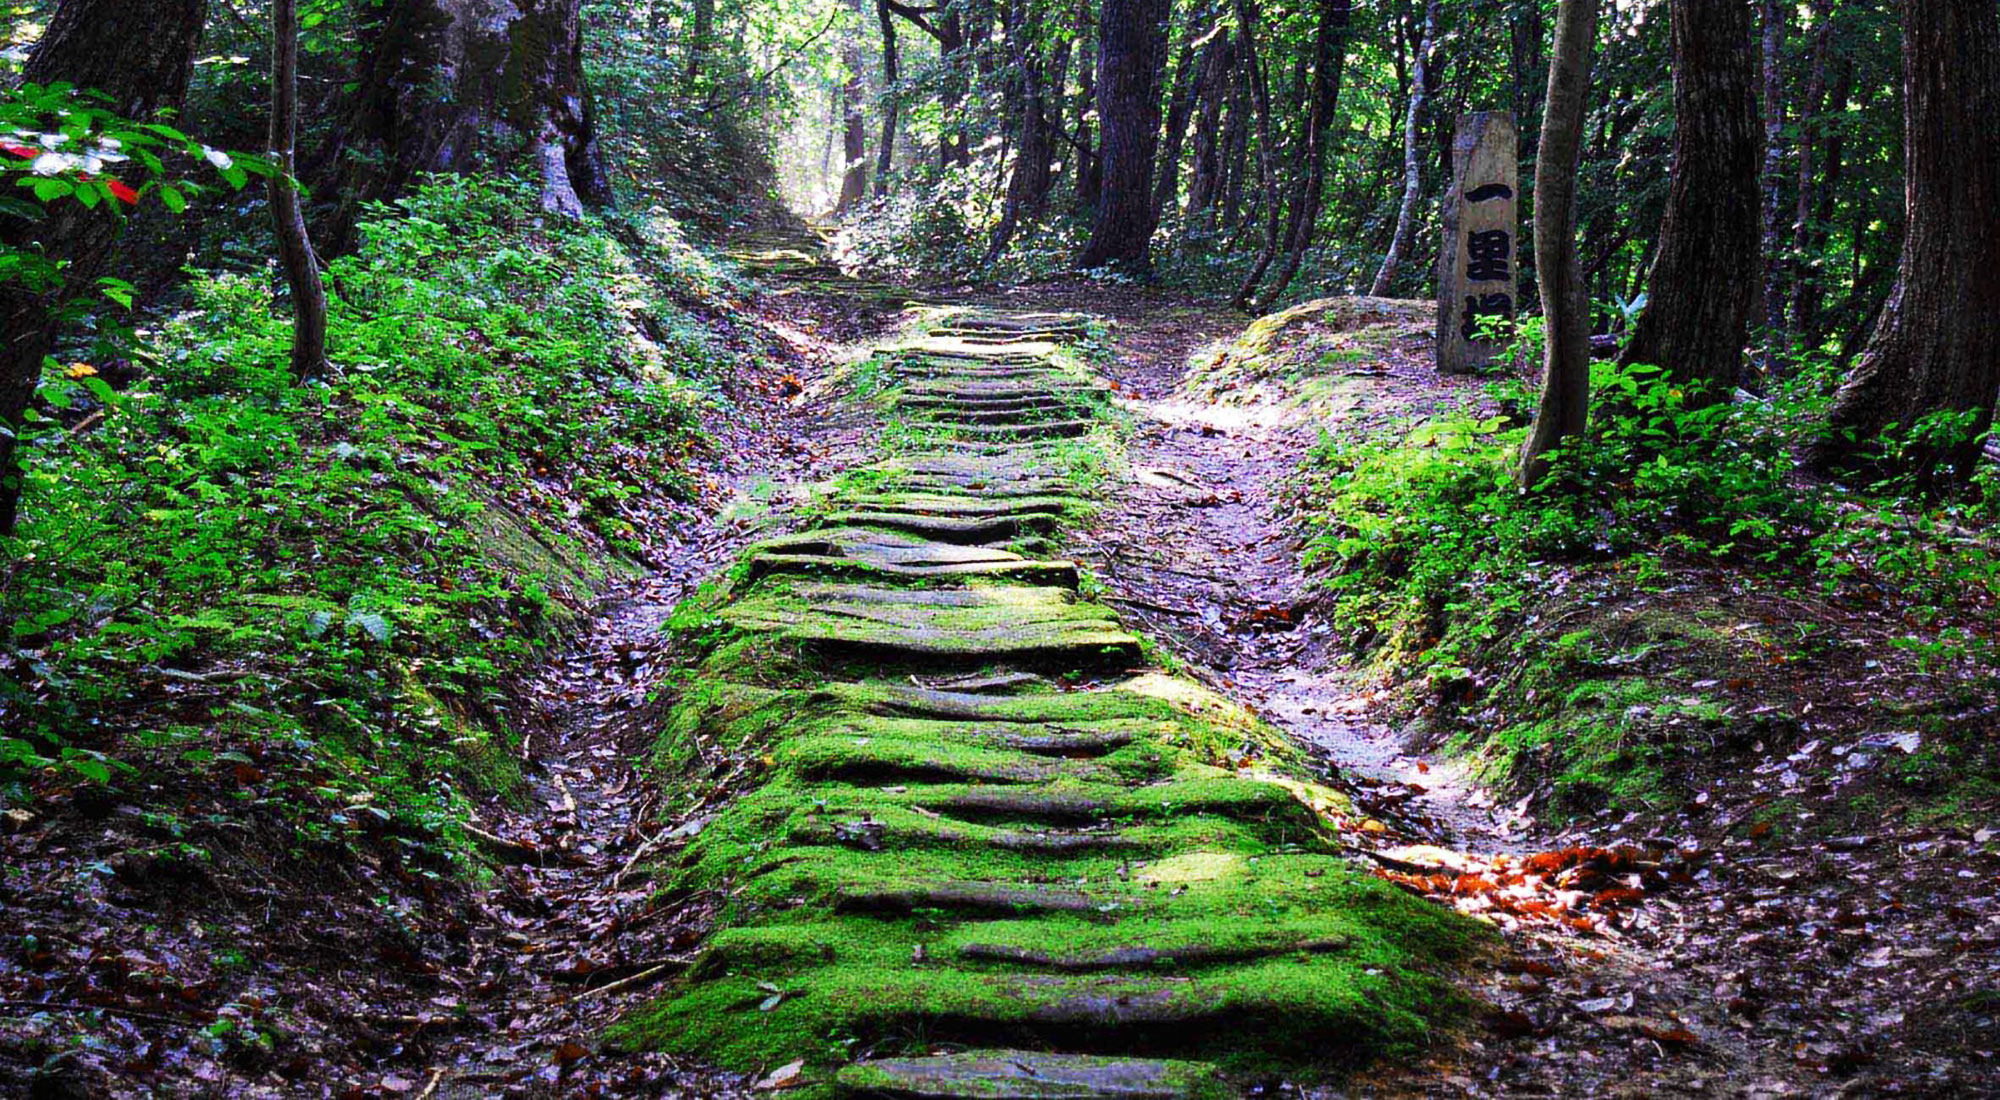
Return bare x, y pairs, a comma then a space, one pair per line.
1081, 857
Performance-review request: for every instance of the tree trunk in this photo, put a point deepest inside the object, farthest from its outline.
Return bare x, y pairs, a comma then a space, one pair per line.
1180, 105
951, 95
1236, 143
1028, 188
1211, 89
853, 133
1267, 174
1936, 348
1812, 114
1090, 68
1413, 176
1704, 280
1309, 186
1774, 169
1565, 403
141, 57
295, 250
460, 86
885, 155
1131, 49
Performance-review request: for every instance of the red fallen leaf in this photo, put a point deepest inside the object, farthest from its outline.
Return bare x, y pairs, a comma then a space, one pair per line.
122, 192
1423, 768
569, 1053
247, 774
1617, 895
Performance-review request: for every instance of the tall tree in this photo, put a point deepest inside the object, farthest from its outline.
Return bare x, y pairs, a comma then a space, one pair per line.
1028, 186
295, 250
1936, 348
1131, 51
1180, 106
885, 154
1211, 91
140, 57
1309, 176
1704, 281
1774, 19
1565, 403
457, 85
1413, 172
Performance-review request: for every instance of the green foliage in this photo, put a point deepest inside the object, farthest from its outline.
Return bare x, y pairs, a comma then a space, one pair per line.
1435, 557
360, 563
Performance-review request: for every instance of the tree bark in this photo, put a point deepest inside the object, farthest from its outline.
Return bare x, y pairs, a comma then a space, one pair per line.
460, 86
1413, 175
295, 250
1565, 402
1211, 90
1309, 185
1812, 113
1936, 348
1258, 78
140, 56
1704, 280
1180, 105
1131, 49
1028, 187
1090, 69
885, 155
1774, 19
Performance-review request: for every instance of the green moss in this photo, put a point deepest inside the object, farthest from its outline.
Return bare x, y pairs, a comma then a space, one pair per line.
1141, 866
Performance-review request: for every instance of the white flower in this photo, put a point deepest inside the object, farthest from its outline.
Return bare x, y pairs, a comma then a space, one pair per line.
52, 164
217, 157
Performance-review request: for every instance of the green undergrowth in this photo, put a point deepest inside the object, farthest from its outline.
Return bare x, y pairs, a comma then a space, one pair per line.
1303, 354
221, 567
1096, 858
1599, 641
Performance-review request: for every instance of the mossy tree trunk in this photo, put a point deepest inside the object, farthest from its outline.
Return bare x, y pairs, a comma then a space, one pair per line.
1704, 280
140, 56
1565, 404
1937, 347
464, 85
295, 250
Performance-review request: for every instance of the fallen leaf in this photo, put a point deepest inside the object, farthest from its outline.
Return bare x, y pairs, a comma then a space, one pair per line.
783, 1077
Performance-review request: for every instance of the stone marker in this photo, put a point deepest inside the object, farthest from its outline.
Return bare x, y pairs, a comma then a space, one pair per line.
1476, 276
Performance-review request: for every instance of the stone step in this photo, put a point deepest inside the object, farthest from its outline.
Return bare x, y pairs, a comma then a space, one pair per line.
1034, 429
985, 897
1038, 623
1032, 1075
973, 531
1059, 573
1145, 956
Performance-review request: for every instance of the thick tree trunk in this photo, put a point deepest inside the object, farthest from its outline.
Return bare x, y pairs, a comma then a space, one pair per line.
1128, 107
1413, 175
853, 135
1774, 17
1309, 186
141, 57
951, 95
295, 250
1936, 348
463, 85
1236, 144
885, 155
1704, 280
1565, 403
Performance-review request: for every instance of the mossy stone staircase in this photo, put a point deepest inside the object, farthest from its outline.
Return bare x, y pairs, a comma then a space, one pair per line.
988, 851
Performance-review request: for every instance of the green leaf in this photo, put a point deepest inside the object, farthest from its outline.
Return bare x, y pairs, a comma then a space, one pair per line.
372, 624
118, 290
173, 199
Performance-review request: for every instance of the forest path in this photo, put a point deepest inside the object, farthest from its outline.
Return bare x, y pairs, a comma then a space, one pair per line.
980, 843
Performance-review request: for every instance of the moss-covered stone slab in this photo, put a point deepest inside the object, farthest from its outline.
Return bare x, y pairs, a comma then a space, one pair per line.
969, 531
1080, 882
1029, 429
1021, 623
1033, 1075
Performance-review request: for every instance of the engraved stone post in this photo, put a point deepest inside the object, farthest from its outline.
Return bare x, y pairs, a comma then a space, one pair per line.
1476, 259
